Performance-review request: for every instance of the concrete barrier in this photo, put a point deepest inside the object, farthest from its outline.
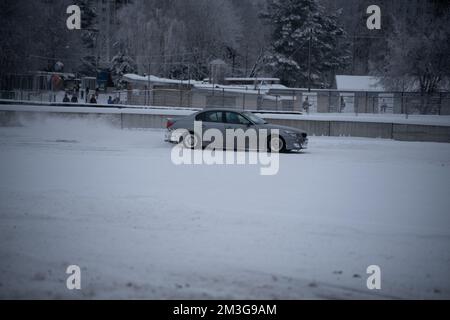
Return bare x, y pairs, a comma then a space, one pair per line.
20, 118
361, 129
339, 128
127, 119
316, 128
409, 132
135, 121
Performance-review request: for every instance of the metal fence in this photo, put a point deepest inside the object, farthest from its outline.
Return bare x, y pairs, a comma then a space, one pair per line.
30, 95
280, 100
379, 102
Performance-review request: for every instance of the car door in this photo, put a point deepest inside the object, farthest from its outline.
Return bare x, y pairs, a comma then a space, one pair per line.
235, 121
211, 120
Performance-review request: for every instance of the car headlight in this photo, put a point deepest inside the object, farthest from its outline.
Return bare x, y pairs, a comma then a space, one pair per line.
293, 134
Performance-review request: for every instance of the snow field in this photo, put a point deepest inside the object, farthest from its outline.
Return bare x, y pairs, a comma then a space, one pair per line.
112, 202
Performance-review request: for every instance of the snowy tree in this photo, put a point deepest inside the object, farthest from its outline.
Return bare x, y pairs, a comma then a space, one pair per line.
15, 38
34, 36
122, 64
89, 35
418, 54
305, 38
179, 38
419, 51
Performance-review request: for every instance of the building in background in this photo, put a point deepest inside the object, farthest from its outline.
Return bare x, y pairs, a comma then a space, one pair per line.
156, 91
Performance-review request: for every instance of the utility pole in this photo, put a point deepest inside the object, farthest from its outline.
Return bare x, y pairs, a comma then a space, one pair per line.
108, 30
189, 74
309, 60
246, 61
148, 93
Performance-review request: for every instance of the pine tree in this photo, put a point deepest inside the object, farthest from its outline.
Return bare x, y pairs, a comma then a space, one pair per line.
122, 64
89, 36
418, 50
301, 27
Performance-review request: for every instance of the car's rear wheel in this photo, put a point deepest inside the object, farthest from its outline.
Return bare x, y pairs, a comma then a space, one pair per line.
276, 144
190, 141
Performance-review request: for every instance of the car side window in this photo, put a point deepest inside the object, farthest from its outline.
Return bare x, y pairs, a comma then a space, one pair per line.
211, 116
200, 117
235, 118
214, 117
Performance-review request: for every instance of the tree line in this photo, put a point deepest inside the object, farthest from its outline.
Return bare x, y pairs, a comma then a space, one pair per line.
304, 42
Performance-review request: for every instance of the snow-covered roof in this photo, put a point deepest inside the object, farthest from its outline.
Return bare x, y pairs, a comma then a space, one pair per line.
61, 74
272, 86
242, 89
252, 79
358, 83
218, 61
154, 79
233, 89
249, 89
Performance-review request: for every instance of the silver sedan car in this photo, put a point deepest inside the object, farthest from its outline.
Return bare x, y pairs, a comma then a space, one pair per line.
278, 138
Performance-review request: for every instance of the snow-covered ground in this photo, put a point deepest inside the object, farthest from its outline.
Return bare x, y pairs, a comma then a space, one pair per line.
112, 202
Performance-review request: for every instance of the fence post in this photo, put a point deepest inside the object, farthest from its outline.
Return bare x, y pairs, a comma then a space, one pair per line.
367, 102
293, 100
329, 101
373, 105
223, 97
401, 103
406, 107
258, 99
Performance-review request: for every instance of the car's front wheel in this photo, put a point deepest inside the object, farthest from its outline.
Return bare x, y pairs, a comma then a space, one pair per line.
276, 144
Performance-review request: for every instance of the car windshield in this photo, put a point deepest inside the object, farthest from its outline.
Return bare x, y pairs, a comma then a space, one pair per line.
254, 118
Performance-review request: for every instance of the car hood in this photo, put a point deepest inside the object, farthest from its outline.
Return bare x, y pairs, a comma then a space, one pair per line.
280, 127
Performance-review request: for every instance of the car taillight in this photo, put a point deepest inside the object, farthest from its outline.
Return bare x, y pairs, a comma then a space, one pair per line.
169, 123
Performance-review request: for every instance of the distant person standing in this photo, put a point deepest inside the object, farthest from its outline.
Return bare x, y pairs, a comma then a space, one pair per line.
306, 105
93, 100
342, 105
383, 106
81, 93
87, 94
110, 100
66, 98
75, 95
